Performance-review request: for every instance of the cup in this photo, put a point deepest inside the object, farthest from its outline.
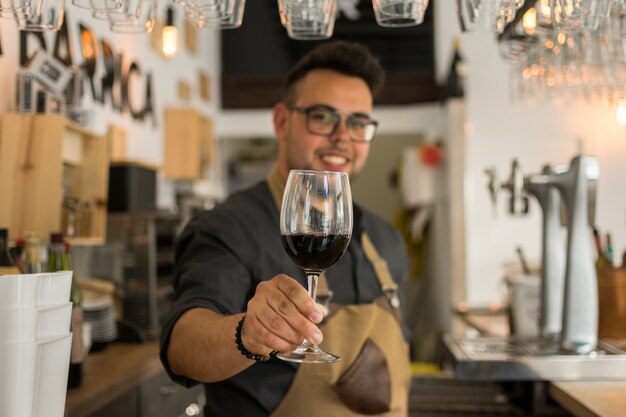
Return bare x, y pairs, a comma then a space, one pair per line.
53, 321
19, 291
490, 16
18, 362
197, 3
135, 16
524, 305
399, 13
98, 5
612, 302
51, 373
227, 14
309, 19
53, 288
33, 377
18, 325
41, 15
9, 7
579, 15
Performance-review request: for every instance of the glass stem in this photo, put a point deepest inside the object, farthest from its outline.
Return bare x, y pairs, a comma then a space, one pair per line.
312, 288
312, 285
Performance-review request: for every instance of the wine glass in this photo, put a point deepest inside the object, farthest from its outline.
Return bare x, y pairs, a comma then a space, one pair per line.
316, 226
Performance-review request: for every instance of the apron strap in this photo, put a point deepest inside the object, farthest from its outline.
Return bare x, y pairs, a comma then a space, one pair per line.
380, 265
388, 285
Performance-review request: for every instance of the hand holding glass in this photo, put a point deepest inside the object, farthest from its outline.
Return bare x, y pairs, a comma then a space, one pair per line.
316, 226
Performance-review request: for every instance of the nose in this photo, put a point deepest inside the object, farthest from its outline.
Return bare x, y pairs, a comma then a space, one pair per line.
341, 133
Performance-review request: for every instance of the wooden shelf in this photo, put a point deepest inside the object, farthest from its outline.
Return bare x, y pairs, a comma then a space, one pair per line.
43, 157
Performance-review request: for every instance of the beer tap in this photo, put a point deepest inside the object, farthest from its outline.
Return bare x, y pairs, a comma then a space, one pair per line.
518, 201
553, 248
577, 293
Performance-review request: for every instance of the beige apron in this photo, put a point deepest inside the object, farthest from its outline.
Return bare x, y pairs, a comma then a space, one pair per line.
373, 376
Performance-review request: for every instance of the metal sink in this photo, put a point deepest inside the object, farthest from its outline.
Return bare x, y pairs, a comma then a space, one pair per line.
493, 358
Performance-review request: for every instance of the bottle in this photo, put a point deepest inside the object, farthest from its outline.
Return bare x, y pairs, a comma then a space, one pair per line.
17, 254
7, 266
457, 73
610, 257
33, 253
55, 252
77, 356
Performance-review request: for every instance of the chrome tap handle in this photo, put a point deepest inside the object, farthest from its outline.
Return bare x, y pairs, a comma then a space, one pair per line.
494, 188
518, 203
580, 303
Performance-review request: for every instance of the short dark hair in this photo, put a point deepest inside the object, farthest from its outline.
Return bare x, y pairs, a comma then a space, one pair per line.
348, 58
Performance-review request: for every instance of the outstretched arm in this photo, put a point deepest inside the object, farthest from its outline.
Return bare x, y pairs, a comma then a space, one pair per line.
279, 316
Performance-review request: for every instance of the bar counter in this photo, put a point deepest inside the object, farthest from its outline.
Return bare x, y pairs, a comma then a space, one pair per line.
592, 398
108, 374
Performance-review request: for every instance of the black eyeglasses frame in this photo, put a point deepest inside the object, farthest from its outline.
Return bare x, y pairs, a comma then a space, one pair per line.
316, 107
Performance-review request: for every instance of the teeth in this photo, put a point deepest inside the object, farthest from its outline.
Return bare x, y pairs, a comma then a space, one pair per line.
334, 159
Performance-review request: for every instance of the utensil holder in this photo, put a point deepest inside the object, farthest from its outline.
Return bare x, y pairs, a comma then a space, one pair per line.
612, 303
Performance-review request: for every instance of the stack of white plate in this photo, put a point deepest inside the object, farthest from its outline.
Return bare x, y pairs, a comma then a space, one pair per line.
100, 313
35, 343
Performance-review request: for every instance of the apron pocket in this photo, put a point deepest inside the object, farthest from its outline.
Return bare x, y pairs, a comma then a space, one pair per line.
365, 387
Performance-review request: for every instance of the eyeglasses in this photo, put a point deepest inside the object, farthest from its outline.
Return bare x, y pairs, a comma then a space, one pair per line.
323, 120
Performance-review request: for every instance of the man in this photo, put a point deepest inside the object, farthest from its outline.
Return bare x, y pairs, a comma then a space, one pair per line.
239, 297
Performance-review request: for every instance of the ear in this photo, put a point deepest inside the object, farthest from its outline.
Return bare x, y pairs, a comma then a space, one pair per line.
280, 114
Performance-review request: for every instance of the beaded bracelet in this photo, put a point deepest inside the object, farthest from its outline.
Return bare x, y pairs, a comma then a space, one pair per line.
241, 348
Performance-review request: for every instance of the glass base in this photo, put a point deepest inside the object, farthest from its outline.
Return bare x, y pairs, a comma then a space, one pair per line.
308, 353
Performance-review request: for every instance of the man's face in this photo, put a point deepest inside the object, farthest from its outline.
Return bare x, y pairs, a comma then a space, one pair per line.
301, 149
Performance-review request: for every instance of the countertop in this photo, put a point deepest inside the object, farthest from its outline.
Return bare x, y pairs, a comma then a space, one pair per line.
591, 398
581, 398
110, 373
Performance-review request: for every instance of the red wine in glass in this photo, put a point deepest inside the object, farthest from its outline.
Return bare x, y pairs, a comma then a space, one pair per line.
315, 251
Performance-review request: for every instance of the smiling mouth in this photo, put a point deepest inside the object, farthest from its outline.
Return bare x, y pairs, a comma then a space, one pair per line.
334, 159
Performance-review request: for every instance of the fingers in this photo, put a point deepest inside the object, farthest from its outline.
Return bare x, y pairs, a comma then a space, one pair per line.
300, 298
281, 315
257, 338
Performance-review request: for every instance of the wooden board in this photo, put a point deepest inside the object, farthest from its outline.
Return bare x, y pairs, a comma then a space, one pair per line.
41, 157
182, 144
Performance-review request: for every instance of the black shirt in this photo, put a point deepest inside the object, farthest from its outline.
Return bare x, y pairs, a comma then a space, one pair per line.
224, 253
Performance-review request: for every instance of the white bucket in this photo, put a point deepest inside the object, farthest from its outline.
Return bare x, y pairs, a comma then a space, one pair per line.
524, 305
35, 290
33, 377
19, 325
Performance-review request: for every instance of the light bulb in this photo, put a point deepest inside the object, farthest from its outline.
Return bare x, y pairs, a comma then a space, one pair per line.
529, 21
169, 35
620, 113
546, 12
